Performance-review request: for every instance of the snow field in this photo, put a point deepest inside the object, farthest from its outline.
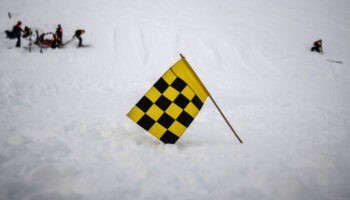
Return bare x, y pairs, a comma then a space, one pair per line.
63, 125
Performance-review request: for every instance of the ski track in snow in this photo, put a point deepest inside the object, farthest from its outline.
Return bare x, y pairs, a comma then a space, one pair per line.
63, 125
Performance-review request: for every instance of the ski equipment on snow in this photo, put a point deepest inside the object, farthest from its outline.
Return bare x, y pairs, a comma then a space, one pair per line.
335, 61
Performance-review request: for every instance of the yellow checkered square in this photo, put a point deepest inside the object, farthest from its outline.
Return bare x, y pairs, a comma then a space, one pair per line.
177, 128
171, 93
157, 130
191, 109
187, 92
169, 77
153, 94
154, 112
136, 114
173, 111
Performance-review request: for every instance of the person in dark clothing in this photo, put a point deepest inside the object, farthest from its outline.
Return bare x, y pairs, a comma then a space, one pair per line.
42, 41
59, 33
55, 41
78, 34
40, 38
15, 33
317, 46
27, 32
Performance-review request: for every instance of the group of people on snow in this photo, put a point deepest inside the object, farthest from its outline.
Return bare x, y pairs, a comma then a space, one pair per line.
55, 42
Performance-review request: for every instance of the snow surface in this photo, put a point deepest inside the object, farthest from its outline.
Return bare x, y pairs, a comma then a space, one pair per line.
63, 126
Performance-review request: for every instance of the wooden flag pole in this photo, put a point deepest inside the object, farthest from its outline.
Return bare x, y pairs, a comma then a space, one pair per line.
222, 114
228, 123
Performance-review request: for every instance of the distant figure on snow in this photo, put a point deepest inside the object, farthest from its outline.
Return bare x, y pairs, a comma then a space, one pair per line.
27, 32
15, 33
59, 33
78, 34
317, 46
55, 41
40, 38
47, 42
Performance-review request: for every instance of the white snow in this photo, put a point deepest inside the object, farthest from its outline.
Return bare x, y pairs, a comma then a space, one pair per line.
64, 133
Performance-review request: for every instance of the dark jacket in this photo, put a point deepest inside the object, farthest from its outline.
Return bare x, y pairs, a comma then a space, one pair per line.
318, 43
55, 42
78, 33
27, 32
59, 31
317, 46
16, 31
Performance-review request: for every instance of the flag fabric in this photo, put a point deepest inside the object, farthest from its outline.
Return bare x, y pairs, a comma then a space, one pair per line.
172, 103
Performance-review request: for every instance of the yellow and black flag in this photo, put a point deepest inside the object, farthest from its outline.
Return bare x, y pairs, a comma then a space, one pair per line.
169, 107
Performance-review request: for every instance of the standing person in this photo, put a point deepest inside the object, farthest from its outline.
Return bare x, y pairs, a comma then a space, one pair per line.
317, 46
59, 33
15, 33
78, 34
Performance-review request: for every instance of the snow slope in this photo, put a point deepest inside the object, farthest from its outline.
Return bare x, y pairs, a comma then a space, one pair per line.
63, 126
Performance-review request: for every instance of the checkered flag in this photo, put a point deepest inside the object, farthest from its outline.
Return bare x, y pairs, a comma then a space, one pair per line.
172, 103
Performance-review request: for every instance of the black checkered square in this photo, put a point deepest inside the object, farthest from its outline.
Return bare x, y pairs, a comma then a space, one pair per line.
178, 84
161, 85
181, 101
185, 119
166, 120
169, 137
197, 102
144, 104
163, 102
146, 122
